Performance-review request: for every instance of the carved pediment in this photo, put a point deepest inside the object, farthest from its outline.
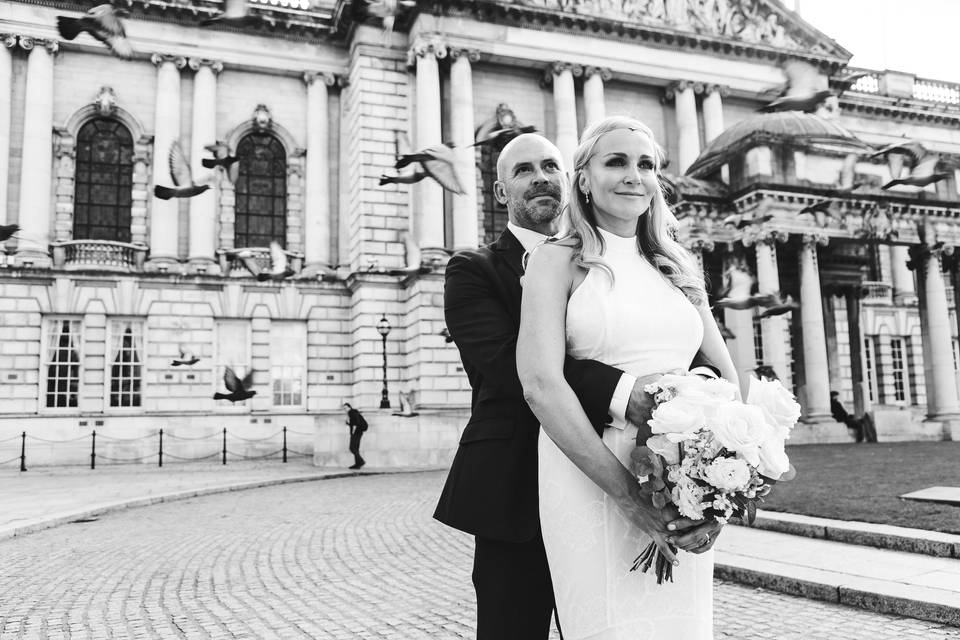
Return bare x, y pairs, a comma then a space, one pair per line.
757, 22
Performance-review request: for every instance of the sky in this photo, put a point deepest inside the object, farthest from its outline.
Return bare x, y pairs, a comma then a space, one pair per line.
916, 36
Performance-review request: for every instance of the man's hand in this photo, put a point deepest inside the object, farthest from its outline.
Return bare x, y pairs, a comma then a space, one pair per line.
640, 404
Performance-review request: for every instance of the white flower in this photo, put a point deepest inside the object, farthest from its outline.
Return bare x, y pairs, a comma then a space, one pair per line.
741, 428
689, 499
679, 419
776, 401
661, 445
773, 457
728, 474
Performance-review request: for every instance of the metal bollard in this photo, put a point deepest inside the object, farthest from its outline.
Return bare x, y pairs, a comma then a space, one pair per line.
284, 444
93, 449
224, 445
23, 451
160, 457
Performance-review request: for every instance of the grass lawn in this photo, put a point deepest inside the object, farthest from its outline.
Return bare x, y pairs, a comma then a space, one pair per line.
862, 482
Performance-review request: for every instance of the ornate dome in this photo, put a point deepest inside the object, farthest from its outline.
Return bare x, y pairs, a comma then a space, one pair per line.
796, 127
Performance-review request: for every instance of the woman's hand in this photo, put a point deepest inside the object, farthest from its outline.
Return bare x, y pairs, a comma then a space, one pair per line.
652, 520
697, 536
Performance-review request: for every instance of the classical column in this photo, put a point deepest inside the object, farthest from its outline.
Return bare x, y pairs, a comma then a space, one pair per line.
904, 288
936, 319
740, 324
465, 210
696, 247
316, 224
593, 101
774, 329
6, 99
165, 214
37, 157
203, 208
713, 111
688, 132
815, 365
428, 195
565, 109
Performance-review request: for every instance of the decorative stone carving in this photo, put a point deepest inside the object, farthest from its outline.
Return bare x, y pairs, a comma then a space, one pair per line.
159, 58
556, 68
262, 118
9, 40
329, 79
604, 73
426, 46
470, 54
760, 235
27, 43
878, 224
106, 102
215, 65
815, 239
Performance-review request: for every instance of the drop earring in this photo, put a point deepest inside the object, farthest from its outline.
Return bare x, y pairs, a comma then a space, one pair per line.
587, 194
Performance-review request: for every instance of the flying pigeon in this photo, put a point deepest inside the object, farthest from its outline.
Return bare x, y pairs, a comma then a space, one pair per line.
103, 23
7, 231
500, 129
779, 306
846, 82
186, 358
239, 389
446, 335
387, 11
222, 158
820, 212
279, 270
182, 177
725, 332
923, 173
740, 221
801, 93
438, 162
235, 15
738, 291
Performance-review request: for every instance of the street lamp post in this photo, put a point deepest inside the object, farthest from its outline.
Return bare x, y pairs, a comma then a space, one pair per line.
383, 326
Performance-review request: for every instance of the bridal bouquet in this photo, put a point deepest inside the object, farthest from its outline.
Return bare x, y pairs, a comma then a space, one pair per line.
710, 454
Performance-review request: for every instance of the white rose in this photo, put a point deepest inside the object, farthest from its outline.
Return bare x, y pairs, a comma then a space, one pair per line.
773, 457
719, 388
678, 419
741, 428
776, 401
662, 445
728, 474
689, 500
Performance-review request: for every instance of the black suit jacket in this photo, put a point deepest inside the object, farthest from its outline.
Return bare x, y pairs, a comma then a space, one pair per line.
492, 490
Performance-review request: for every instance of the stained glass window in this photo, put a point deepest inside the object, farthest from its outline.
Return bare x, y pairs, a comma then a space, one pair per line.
261, 191
104, 181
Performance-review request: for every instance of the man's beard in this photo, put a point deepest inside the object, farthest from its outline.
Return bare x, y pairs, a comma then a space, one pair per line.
532, 215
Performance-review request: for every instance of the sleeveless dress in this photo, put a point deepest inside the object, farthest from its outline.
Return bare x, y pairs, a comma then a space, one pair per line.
641, 325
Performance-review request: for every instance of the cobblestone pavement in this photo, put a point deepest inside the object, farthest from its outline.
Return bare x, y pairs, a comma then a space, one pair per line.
346, 558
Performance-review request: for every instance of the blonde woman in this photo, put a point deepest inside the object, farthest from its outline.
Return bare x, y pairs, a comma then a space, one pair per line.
617, 289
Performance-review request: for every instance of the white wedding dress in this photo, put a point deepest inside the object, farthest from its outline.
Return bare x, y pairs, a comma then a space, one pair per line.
642, 325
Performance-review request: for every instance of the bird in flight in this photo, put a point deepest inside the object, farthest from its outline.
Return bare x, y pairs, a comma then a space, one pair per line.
236, 14
182, 176
740, 221
239, 389
801, 93
7, 231
437, 162
186, 358
779, 306
820, 212
222, 158
103, 23
446, 335
923, 173
279, 268
737, 292
387, 11
500, 129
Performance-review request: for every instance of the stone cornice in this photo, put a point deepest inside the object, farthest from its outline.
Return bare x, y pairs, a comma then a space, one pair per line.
900, 108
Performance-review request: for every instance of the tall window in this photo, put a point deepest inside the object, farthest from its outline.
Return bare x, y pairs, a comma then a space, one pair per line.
62, 363
288, 351
869, 366
758, 340
104, 181
233, 350
126, 368
897, 370
261, 191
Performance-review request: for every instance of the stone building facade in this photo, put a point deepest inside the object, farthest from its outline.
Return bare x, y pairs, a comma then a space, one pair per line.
105, 283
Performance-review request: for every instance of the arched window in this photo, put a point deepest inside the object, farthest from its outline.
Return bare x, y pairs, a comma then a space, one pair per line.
261, 191
104, 177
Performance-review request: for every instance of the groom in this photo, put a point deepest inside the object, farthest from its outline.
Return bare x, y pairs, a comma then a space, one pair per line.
491, 490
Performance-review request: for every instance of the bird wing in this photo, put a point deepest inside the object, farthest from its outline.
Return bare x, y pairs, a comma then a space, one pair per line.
740, 283
120, 46
444, 171
278, 258
179, 167
185, 354
802, 78
925, 167
230, 379
235, 9
247, 381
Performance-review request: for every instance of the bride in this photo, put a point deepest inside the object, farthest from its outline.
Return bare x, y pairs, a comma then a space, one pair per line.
620, 290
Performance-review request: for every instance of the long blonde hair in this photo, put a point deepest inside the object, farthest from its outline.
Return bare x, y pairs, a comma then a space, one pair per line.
653, 229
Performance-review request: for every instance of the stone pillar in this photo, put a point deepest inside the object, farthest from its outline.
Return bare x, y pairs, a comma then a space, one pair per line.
165, 214
7, 41
37, 157
466, 222
316, 218
941, 381
713, 111
593, 101
203, 208
775, 334
561, 74
904, 288
861, 395
688, 131
740, 324
427, 194
815, 365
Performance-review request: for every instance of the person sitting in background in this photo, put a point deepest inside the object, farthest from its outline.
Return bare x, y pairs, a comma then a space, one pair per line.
840, 415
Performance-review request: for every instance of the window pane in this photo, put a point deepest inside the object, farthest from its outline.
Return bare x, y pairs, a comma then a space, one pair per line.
261, 192
62, 363
126, 355
288, 355
233, 350
102, 191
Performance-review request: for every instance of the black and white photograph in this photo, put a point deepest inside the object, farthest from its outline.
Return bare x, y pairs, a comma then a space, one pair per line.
492, 320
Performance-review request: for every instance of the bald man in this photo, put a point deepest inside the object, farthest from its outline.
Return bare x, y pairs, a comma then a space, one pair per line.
491, 491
